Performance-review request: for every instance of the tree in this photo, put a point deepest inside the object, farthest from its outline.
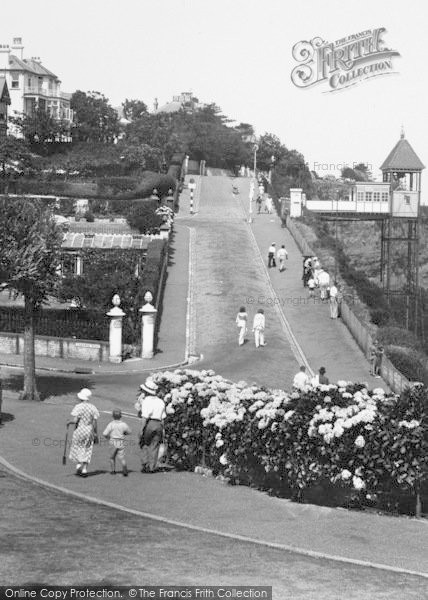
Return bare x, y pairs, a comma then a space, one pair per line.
30, 244
142, 216
40, 128
95, 119
13, 154
269, 145
134, 109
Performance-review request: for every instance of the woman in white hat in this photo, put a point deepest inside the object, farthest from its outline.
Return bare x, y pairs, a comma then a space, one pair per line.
152, 433
85, 417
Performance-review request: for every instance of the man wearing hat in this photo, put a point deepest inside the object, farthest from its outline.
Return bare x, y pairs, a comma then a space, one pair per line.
152, 416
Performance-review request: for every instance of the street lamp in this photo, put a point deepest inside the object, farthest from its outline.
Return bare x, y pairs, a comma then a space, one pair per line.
272, 164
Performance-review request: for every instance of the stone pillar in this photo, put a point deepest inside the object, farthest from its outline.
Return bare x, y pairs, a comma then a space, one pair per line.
148, 313
79, 265
116, 315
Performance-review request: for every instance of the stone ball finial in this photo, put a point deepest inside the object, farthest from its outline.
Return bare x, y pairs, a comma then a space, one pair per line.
116, 300
148, 297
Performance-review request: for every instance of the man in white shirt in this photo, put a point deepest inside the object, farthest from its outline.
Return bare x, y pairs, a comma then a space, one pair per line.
152, 416
271, 255
259, 328
282, 255
301, 380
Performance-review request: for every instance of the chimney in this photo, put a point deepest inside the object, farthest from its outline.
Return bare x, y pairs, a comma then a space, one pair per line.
17, 45
4, 57
36, 59
155, 105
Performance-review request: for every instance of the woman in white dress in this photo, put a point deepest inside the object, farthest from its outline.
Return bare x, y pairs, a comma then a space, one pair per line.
85, 417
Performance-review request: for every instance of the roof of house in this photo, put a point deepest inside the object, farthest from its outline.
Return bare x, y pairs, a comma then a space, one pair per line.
170, 107
29, 65
402, 157
4, 91
105, 241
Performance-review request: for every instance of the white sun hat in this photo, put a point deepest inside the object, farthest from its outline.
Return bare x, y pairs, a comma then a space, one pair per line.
84, 394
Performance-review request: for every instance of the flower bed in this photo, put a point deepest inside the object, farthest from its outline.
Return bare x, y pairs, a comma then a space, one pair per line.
339, 444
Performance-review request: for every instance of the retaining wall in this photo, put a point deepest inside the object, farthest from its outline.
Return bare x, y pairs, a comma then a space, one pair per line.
53, 347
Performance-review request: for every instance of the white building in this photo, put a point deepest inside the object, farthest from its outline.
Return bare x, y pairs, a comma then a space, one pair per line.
31, 84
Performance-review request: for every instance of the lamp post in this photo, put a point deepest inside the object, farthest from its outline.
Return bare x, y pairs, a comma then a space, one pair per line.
272, 164
251, 198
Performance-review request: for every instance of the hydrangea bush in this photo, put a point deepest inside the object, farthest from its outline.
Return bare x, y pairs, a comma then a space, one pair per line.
367, 443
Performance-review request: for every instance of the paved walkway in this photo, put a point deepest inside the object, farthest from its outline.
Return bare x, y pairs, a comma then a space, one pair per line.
325, 342
33, 442
228, 271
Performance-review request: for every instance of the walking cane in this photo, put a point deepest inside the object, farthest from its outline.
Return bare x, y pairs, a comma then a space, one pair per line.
64, 456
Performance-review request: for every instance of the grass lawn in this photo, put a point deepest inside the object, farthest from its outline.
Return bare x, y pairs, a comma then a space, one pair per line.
48, 538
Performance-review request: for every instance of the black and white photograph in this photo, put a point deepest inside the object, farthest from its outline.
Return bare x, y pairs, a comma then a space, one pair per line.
213, 300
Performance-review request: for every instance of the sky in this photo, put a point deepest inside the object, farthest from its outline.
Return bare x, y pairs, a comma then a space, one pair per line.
238, 54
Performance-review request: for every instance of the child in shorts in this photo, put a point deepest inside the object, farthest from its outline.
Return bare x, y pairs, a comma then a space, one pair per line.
115, 432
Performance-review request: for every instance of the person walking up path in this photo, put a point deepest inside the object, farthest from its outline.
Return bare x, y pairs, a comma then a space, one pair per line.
282, 256
271, 255
241, 322
259, 324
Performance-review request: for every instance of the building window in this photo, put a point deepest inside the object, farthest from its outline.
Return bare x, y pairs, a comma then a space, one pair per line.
15, 81
376, 196
385, 196
368, 196
360, 196
407, 199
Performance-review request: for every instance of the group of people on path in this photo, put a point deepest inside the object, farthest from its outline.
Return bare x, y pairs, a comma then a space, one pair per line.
85, 415
268, 208
302, 380
315, 277
259, 324
274, 255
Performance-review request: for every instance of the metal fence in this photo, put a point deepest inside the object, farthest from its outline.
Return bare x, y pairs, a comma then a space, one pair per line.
70, 323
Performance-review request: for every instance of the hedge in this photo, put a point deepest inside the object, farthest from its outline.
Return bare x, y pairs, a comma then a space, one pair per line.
408, 362
368, 447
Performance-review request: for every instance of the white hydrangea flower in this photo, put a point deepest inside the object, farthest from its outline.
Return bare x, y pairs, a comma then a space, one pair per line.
358, 483
223, 459
360, 442
219, 443
345, 474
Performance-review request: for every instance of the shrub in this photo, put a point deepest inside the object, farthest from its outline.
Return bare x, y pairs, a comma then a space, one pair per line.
380, 316
408, 362
142, 216
89, 216
367, 444
397, 336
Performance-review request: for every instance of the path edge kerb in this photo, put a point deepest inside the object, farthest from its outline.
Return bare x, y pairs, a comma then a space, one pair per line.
241, 538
